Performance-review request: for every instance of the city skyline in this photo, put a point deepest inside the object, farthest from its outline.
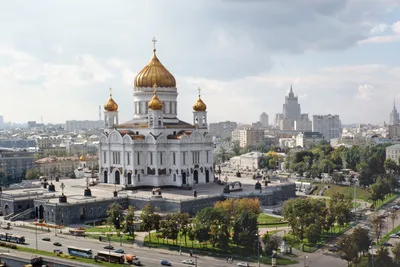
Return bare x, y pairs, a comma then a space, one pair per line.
338, 55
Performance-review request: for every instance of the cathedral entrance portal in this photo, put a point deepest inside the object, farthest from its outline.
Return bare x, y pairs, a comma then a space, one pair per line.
82, 214
41, 212
184, 178
117, 177
129, 178
6, 210
207, 176
196, 176
105, 177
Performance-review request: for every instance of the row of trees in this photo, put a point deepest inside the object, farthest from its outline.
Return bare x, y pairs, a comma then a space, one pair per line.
353, 246
121, 222
230, 221
310, 218
369, 161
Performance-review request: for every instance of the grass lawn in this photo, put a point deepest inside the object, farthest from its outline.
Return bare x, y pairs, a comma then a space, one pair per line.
274, 225
77, 259
326, 237
362, 194
388, 198
267, 221
100, 229
114, 238
386, 237
239, 252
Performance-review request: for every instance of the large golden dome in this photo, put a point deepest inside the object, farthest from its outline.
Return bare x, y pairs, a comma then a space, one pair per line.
199, 105
111, 105
155, 73
155, 103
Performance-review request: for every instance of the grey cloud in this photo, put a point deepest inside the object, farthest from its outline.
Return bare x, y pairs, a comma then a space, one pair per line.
189, 33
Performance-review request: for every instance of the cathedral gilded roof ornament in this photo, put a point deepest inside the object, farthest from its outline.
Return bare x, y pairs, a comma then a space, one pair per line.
199, 105
154, 73
155, 103
111, 105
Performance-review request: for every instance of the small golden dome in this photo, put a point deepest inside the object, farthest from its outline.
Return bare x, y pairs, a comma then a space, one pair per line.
111, 105
154, 73
199, 105
155, 103
82, 158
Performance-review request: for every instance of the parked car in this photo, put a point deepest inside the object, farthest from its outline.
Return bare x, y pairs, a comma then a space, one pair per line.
120, 250
394, 236
334, 248
386, 244
46, 239
190, 262
243, 264
109, 247
166, 263
57, 251
58, 244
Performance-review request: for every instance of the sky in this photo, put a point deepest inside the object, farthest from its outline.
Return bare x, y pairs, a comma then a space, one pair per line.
58, 58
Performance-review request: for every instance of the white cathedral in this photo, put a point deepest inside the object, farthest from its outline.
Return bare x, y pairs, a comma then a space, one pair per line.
155, 148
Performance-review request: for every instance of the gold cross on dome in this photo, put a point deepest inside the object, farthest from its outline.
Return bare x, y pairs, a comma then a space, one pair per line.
154, 43
199, 89
110, 91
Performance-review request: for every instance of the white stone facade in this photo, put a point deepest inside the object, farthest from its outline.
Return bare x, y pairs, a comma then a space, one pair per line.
155, 148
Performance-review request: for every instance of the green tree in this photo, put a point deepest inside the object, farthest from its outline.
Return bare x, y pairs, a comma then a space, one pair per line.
3, 177
396, 252
348, 249
129, 221
378, 224
393, 216
213, 224
147, 219
361, 239
115, 215
382, 258
183, 222
245, 230
390, 166
32, 174
313, 233
271, 243
342, 206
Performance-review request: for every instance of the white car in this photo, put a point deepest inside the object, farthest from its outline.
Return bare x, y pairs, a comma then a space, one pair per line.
190, 262
394, 236
243, 264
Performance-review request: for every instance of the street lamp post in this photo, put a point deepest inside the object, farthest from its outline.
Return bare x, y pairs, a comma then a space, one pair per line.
36, 236
371, 247
258, 248
355, 194
305, 262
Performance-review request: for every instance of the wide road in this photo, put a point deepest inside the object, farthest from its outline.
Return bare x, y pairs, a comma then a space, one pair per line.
148, 257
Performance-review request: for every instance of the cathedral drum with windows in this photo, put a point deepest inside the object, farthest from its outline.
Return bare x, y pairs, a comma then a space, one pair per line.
155, 148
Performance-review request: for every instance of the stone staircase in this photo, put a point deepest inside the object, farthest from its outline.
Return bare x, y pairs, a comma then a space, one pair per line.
25, 215
7, 217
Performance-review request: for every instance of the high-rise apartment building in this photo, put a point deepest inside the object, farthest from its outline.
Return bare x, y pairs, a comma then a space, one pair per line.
329, 126
222, 129
249, 137
264, 119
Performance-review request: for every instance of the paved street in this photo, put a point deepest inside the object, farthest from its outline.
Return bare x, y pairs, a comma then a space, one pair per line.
149, 257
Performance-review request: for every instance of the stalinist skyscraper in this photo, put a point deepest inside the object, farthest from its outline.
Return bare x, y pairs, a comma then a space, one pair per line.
394, 116
291, 118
